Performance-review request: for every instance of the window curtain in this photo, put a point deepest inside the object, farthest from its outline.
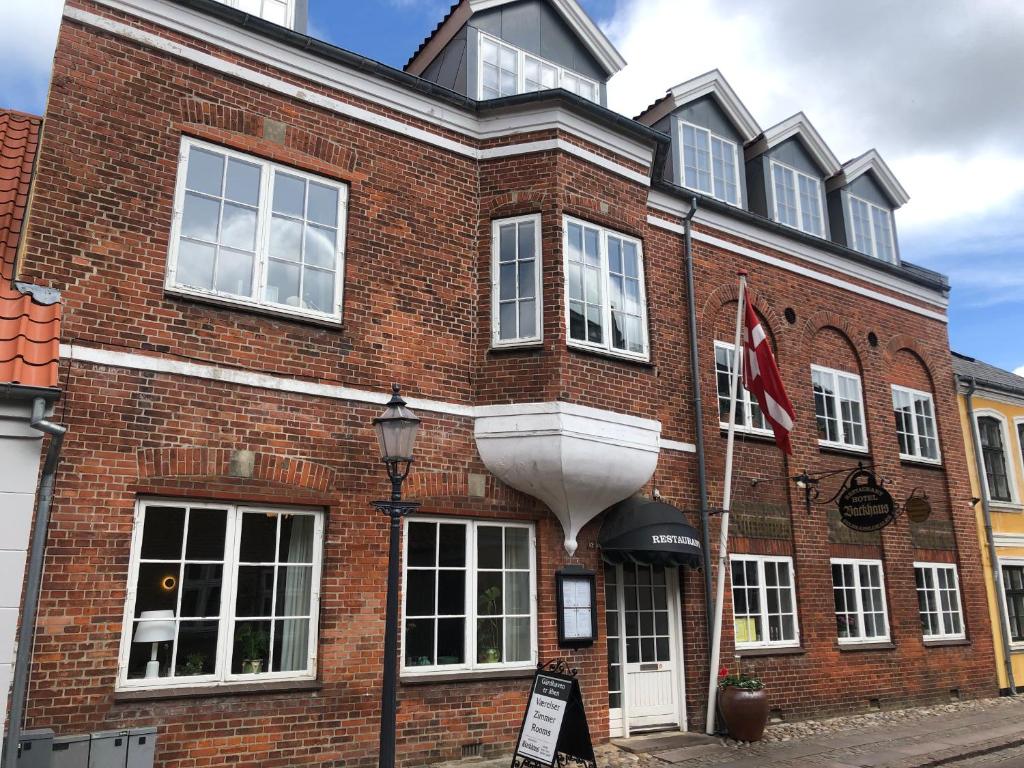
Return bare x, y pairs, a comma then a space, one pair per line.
297, 591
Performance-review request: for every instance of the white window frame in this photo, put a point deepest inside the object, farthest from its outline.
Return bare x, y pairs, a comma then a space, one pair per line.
872, 245
222, 677
289, 11
1013, 562
606, 310
263, 217
915, 436
934, 568
521, 57
763, 600
744, 401
711, 163
496, 226
1014, 504
842, 444
856, 563
796, 191
470, 640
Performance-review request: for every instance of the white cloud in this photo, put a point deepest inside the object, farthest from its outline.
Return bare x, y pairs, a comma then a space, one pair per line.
27, 38
926, 83
1019, 371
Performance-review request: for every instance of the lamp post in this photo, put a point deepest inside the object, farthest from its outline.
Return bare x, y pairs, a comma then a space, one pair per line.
396, 433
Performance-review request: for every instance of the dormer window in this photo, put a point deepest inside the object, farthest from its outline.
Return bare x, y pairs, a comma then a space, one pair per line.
872, 230
797, 199
278, 11
710, 164
506, 71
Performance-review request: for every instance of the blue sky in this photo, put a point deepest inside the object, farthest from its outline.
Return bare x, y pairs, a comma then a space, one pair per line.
927, 88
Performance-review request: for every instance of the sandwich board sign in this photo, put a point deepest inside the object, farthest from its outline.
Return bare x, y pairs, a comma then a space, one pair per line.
554, 731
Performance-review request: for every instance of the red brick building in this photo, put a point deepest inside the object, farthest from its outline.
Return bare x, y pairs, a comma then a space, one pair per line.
255, 233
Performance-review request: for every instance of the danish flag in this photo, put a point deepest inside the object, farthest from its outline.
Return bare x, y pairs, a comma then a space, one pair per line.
761, 378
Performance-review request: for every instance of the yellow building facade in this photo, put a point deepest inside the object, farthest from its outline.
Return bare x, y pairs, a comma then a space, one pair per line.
992, 417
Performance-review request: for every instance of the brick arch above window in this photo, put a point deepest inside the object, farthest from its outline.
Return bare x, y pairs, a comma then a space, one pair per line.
599, 211
725, 295
428, 486
229, 465
515, 203
908, 349
827, 332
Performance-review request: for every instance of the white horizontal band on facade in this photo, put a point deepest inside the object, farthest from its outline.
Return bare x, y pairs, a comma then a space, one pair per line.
797, 269
1008, 539
187, 368
362, 85
791, 247
569, 148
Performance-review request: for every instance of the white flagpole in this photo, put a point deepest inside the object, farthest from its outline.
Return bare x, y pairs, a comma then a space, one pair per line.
723, 541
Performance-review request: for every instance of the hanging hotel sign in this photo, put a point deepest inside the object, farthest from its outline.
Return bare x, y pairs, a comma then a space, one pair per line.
864, 505
554, 730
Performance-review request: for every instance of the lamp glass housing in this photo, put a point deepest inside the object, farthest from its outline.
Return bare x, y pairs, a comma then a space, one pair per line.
396, 430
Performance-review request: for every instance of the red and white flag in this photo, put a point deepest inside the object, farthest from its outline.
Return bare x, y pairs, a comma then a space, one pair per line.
762, 380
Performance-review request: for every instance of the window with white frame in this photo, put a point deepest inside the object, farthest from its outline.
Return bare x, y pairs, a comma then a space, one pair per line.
993, 440
606, 306
220, 593
469, 595
515, 281
749, 417
938, 601
1013, 594
859, 594
872, 229
764, 601
278, 11
251, 232
710, 163
915, 424
838, 408
797, 199
506, 70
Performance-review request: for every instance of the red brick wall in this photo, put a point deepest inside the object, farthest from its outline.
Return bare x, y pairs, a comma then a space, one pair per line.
417, 290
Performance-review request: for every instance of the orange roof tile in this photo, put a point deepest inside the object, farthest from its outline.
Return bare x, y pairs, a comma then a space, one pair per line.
29, 329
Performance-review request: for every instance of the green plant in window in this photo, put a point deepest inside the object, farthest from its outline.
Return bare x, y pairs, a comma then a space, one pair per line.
252, 642
195, 664
489, 629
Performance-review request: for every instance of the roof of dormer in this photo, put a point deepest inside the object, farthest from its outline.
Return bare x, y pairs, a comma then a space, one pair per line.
798, 125
579, 22
710, 83
873, 162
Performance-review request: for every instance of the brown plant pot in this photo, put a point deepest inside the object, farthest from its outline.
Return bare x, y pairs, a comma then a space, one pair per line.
745, 712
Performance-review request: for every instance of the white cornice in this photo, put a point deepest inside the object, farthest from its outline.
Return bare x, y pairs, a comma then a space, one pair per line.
816, 257
1008, 540
590, 35
871, 161
718, 87
348, 80
240, 377
797, 125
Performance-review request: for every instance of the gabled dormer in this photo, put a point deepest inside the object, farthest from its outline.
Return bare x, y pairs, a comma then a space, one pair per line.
861, 200
786, 169
709, 126
288, 13
488, 49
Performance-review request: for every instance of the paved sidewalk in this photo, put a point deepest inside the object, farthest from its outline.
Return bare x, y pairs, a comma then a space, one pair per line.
902, 739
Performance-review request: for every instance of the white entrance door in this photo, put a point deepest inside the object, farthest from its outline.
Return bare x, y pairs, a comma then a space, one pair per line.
644, 651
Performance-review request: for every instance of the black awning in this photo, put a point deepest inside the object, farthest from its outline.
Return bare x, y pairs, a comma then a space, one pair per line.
638, 530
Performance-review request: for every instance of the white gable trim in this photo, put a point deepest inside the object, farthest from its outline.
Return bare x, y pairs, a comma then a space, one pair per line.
871, 161
798, 125
716, 85
315, 69
588, 32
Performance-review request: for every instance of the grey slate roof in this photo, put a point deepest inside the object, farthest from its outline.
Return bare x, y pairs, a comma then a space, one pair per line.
987, 375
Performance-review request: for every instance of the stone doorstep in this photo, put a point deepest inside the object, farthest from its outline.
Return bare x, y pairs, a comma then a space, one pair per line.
661, 741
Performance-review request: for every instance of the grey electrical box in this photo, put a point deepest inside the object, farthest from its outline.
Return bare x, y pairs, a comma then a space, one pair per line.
71, 751
141, 747
35, 748
108, 749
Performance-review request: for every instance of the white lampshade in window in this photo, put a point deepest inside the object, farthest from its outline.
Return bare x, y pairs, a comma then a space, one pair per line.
154, 627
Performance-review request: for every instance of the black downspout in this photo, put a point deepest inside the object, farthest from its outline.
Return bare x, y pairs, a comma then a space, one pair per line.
698, 414
26, 633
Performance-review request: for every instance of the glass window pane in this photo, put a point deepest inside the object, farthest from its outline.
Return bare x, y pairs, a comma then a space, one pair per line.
200, 218
507, 314
507, 243
201, 590
490, 598
527, 319
490, 637
285, 239
451, 641
294, 590
318, 289
234, 272
289, 194
162, 533
489, 546
451, 593
452, 549
255, 590
157, 588
419, 593
291, 645
419, 642
243, 184
517, 548
239, 227
259, 537
422, 543
518, 645
321, 247
251, 647
197, 648
195, 264
323, 205
205, 533
283, 283
205, 171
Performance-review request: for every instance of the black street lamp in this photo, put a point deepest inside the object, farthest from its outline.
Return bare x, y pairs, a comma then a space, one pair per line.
396, 432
